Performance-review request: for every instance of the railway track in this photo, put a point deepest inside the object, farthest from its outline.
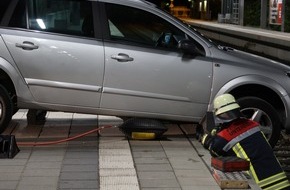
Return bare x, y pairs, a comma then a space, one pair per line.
282, 152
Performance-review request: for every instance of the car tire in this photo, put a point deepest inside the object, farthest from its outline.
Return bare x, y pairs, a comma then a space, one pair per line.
6, 109
265, 114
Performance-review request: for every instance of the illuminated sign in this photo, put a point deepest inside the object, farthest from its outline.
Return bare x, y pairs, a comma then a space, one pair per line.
275, 16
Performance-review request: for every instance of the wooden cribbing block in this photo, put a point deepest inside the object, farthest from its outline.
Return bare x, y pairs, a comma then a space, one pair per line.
230, 180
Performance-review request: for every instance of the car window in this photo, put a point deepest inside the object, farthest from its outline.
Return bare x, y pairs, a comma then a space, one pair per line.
134, 25
61, 16
18, 18
3, 7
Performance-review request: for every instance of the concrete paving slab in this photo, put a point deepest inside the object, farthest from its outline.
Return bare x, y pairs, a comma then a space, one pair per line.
12, 169
144, 154
11, 127
110, 121
50, 131
120, 187
38, 181
156, 175
151, 160
111, 132
43, 165
75, 184
173, 130
153, 167
83, 123
59, 116
79, 168
109, 161
85, 175
117, 172
27, 131
114, 163
189, 129
48, 172
8, 185
162, 188
153, 183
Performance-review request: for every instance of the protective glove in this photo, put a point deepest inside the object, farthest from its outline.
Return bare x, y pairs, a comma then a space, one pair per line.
199, 132
213, 132
206, 141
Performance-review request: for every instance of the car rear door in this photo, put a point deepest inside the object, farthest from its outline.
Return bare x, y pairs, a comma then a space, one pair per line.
58, 51
145, 73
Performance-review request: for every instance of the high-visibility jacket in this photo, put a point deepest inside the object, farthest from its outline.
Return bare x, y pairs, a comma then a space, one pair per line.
243, 138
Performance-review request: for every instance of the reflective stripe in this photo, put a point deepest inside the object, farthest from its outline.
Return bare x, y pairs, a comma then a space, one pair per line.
239, 138
272, 179
279, 186
203, 138
238, 149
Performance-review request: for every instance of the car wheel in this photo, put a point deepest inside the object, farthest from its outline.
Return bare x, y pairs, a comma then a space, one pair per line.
265, 114
5, 109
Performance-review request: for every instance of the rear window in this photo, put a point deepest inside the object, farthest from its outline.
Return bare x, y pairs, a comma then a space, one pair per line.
73, 17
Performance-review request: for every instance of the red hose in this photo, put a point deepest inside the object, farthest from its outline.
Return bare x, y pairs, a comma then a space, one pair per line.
62, 140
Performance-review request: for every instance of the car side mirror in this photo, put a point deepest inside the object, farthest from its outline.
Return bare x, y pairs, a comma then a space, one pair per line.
188, 47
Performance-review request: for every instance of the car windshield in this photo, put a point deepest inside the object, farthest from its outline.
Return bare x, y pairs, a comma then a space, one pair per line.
194, 30
200, 34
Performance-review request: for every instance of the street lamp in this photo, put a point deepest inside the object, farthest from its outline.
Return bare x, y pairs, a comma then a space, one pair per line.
171, 4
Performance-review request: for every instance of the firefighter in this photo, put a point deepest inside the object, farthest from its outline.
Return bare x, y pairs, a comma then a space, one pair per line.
241, 137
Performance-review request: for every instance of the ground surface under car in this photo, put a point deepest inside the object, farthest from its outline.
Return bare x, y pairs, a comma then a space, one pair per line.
103, 161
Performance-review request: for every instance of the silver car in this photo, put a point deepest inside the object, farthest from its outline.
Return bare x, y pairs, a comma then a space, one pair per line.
128, 58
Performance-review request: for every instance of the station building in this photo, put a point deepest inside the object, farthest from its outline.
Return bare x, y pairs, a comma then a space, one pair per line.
266, 14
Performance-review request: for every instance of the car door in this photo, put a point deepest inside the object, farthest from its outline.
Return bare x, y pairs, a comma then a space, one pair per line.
145, 73
57, 51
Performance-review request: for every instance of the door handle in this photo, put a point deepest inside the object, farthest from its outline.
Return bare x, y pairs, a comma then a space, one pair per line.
27, 45
121, 57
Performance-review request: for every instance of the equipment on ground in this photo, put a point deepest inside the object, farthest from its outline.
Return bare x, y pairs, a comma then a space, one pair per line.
231, 180
228, 172
230, 164
8, 146
143, 129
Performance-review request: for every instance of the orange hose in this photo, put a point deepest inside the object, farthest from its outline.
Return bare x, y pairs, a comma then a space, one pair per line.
62, 140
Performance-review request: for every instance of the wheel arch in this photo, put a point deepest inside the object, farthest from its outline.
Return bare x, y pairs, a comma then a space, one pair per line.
261, 87
262, 92
8, 84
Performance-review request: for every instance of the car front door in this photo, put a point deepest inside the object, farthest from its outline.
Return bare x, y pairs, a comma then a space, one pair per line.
145, 72
57, 51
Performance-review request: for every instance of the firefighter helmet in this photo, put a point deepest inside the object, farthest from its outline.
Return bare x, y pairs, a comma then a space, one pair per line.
226, 107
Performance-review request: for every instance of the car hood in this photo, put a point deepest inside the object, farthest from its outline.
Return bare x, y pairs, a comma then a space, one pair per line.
251, 61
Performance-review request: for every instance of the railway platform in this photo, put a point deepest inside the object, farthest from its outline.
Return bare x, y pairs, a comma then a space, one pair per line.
104, 160
267, 43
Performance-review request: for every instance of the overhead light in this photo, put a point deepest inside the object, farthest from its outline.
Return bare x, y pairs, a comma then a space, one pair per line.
40, 23
200, 6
